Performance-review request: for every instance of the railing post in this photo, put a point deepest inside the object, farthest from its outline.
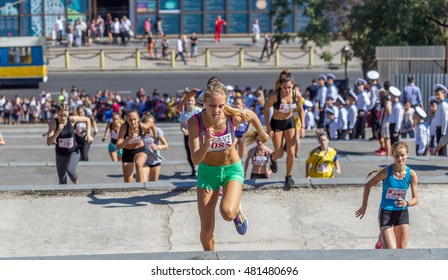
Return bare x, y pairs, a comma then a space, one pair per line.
207, 57
241, 58
137, 58
102, 64
173, 59
277, 57
67, 59
311, 57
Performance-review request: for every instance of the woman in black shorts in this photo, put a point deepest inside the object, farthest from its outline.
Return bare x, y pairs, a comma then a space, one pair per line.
134, 152
393, 216
285, 101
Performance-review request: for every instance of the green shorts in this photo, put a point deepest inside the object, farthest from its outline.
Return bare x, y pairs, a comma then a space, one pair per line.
213, 177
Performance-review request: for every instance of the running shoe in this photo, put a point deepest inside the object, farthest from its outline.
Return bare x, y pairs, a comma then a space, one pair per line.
289, 183
379, 150
241, 222
379, 244
381, 153
274, 166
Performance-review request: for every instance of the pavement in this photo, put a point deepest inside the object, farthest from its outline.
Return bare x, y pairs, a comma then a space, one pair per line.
43, 219
223, 56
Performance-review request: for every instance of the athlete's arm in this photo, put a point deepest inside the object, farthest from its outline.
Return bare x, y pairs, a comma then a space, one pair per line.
250, 154
150, 126
255, 121
414, 191
75, 119
121, 142
181, 105
53, 131
372, 182
338, 167
267, 105
198, 153
106, 131
301, 113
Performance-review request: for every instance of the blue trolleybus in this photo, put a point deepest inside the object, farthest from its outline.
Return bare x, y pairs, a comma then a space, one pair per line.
22, 61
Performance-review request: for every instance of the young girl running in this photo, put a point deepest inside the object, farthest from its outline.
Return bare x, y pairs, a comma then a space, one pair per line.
212, 145
258, 155
153, 147
130, 140
322, 161
62, 132
281, 126
393, 215
113, 128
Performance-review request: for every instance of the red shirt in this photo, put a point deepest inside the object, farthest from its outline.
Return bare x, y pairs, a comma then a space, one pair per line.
219, 24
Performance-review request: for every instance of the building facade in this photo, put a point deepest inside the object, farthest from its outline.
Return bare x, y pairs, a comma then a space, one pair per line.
38, 17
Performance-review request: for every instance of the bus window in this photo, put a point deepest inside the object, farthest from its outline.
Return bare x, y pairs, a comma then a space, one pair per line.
18, 55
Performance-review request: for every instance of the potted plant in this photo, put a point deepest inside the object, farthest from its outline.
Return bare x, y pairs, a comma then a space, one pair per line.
328, 57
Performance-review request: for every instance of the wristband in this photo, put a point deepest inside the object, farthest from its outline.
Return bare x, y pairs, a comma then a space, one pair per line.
160, 147
408, 204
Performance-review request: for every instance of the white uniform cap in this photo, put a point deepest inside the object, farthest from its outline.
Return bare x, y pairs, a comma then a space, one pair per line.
340, 99
394, 91
419, 111
229, 88
373, 75
308, 103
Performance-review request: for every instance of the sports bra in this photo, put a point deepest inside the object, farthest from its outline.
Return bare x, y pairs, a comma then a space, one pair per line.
285, 107
137, 139
260, 160
220, 142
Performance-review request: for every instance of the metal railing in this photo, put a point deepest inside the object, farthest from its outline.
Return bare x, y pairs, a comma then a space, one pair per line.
105, 56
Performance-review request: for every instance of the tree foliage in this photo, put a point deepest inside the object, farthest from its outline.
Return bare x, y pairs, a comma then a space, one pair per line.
389, 23
367, 24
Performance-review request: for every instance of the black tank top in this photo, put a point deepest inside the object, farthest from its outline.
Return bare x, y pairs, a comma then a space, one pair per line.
65, 142
279, 99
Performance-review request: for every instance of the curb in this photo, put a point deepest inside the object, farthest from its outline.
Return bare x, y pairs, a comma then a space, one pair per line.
183, 186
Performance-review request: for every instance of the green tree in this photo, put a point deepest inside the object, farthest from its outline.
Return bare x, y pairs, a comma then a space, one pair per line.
389, 23
326, 18
368, 24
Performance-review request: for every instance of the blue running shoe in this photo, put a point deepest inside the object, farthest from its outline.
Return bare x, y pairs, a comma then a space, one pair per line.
241, 222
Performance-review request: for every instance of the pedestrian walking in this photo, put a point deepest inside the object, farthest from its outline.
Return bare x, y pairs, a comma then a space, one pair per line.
421, 132
393, 216
266, 47
180, 49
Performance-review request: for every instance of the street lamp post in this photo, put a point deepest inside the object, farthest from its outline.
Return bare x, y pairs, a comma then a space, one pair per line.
347, 54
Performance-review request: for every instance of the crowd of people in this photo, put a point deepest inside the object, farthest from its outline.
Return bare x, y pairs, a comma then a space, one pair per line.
219, 121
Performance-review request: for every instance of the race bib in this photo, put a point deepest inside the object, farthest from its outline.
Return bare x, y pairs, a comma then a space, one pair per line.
221, 143
286, 108
260, 160
394, 194
323, 167
66, 143
148, 142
